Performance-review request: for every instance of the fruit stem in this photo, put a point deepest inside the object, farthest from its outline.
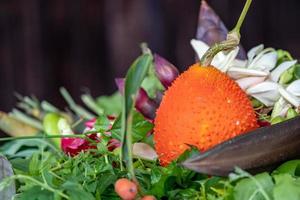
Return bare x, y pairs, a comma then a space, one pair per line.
242, 17
232, 40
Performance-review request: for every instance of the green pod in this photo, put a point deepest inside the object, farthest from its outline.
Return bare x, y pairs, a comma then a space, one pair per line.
287, 76
256, 103
291, 113
50, 123
277, 120
297, 72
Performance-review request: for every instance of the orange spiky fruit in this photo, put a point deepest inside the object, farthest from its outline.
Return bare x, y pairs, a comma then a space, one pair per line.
203, 107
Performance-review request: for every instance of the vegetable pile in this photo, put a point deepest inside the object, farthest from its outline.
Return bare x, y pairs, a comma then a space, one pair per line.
131, 145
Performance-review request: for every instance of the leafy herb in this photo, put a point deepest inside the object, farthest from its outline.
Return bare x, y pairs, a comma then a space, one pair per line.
111, 105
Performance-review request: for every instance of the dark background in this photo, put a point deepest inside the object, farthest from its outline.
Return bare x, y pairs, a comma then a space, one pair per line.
45, 44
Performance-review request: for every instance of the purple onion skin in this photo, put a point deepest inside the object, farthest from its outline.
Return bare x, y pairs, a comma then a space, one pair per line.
120, 82
143, 103
165, 71
211, 29
158, 97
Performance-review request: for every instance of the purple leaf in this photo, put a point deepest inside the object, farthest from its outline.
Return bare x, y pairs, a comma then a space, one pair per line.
158, 97
211, 29
143, 103
120, 84
165, 71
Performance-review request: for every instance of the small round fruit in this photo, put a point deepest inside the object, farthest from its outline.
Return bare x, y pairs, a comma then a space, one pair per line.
148, 197
203, 107
126, 189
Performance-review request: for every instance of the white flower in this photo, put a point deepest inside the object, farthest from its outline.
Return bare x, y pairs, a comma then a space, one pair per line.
258, 76
276, 73
221, 60
266, 92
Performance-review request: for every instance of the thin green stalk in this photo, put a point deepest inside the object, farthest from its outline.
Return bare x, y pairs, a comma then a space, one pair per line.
49, 107
242, 17
42, 136
76, 123
26, 119
232, 41
91, 104
123, 130
79, 110
129, 145
43, 185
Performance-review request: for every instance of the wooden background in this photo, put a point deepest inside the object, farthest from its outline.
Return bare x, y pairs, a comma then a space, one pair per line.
45, 44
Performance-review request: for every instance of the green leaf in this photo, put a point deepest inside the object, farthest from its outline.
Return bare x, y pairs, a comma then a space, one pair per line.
189, 153
291, 167
133, 80
256, 103
258, 187
10, 149
116, 128
156, 175
102, 145
111, 105
291, 113
135, 75
277, 120
36, 193
106, 180
297, 72
286, 187
20, 164
76, 192
140, 127
184, 194
102, 124
34, 165
152, 84
283, 56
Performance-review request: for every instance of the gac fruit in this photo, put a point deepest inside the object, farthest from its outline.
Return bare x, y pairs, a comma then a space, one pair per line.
203, 107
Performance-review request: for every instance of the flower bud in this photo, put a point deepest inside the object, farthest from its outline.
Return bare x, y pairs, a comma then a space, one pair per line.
165, 71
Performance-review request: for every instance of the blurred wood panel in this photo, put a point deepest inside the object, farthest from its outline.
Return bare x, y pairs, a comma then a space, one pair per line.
45, 44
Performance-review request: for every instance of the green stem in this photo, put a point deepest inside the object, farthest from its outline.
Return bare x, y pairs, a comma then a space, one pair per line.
42, 137
232, 40
242, 17
43, 185
123, 131
129, 146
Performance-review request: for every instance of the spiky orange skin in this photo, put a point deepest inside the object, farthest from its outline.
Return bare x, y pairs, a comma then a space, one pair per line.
203, 108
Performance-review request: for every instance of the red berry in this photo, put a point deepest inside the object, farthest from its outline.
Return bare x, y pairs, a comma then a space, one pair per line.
126, 189
148, 197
